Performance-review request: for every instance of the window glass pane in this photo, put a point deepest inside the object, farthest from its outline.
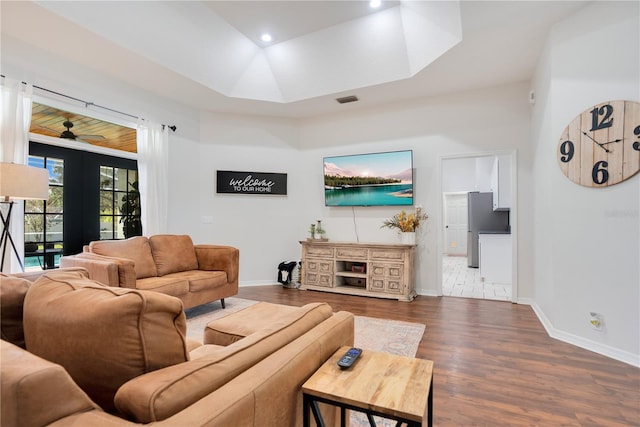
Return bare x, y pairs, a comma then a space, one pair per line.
54, 204
121, 179
34, 206
33, 228
106, 227
119, 228
106, 202
56, 171
122, 206
133, 179
36, 161
106, 177
54, 227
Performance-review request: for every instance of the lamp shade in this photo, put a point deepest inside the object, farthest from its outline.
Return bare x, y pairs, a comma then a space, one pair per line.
23, 182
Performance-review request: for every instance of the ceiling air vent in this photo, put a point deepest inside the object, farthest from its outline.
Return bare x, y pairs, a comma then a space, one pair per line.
345, 99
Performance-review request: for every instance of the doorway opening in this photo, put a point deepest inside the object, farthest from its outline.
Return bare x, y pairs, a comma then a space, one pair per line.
477, 256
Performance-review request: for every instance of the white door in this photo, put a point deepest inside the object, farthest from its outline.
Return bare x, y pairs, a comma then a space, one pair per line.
455, 223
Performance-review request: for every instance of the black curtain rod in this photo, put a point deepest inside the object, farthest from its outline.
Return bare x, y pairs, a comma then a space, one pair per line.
88, 104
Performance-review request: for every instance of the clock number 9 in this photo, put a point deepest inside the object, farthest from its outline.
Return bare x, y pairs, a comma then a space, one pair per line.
606, 122
599, 173
567, 149
636, 145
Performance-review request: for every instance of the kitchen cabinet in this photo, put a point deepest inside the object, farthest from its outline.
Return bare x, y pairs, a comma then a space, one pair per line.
501, 183
495, 257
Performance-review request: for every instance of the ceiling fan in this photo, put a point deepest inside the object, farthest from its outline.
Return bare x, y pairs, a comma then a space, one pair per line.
67, 134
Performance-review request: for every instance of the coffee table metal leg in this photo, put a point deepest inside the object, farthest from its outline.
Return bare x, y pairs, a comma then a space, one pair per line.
305, 411
316, 413
430, 405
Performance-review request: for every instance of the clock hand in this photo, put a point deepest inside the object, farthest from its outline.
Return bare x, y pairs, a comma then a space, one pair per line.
599, 145
615, 140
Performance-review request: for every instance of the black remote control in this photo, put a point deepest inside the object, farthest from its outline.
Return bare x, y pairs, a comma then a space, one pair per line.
349, 357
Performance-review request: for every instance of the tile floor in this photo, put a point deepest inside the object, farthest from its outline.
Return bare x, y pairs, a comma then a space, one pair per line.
458, 280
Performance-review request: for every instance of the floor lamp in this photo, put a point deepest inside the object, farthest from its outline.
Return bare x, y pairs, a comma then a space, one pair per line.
19, 182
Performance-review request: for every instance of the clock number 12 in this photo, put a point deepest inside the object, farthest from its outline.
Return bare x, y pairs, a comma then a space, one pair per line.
606, 122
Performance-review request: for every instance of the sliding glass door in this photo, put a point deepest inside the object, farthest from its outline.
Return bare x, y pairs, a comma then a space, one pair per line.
92, 196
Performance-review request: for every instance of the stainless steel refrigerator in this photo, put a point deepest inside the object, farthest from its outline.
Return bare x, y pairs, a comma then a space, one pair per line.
482, 218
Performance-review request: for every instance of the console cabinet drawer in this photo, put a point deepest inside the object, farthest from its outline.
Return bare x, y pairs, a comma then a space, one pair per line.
352, 253
321, 252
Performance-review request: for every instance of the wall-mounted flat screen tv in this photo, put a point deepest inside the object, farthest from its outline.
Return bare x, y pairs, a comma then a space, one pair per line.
373, 179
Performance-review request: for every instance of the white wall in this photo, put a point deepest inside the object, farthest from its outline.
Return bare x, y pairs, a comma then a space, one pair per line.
587, 246
468, 123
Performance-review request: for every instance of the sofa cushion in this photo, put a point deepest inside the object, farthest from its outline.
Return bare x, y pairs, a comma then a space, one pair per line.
12, 293
232, 328
103, 336
174, 286
173, 253
136, 249
199, 280
165, 392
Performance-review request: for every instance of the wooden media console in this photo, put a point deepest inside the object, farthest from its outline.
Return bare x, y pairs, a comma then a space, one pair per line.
366, 269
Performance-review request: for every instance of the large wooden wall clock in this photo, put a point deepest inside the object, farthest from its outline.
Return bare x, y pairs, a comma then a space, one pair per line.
601, 146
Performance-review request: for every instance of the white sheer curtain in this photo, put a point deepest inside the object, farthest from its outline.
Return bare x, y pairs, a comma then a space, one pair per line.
15, 98
153, 169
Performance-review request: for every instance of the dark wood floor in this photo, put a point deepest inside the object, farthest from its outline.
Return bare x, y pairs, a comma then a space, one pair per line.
494, 363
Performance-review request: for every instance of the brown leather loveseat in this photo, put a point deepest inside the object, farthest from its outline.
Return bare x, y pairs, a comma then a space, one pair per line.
166, 263
86, 354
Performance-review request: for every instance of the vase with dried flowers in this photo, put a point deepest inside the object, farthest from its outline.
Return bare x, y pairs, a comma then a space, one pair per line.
406, 224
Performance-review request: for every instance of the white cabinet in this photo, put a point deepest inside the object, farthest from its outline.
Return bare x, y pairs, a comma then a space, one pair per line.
501, 183
495, 258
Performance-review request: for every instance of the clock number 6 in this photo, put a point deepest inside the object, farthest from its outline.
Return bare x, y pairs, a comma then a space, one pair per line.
606, 122
567, 149
599, 173
636, 145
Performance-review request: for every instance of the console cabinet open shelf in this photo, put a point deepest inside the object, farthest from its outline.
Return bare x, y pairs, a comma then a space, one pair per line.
367, 269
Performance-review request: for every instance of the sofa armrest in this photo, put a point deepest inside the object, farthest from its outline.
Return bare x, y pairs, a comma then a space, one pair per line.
110, 271
221, 258
36, 391
101, 271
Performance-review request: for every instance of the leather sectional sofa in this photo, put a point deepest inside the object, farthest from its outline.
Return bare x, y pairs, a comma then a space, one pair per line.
170, 264
78, 353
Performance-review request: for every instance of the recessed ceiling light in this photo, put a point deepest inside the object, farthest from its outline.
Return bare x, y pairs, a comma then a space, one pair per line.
266, 37
374, 4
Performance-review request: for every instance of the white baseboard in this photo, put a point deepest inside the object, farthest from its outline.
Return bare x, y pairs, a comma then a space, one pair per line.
257, 283
587, 344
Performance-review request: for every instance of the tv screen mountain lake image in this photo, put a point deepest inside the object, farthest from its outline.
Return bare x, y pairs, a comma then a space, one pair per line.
374, 179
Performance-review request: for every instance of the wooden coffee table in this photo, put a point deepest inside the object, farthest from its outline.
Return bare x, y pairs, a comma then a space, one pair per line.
394, 387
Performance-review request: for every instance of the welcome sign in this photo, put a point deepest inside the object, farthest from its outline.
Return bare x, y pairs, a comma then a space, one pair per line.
232, 182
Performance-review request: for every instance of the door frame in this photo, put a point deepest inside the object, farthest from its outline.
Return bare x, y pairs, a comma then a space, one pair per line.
513, 215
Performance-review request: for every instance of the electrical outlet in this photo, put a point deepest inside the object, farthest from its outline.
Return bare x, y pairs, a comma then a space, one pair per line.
596, 321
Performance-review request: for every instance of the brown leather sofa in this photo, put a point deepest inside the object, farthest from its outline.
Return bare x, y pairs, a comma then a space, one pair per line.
92, 355
170, 264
